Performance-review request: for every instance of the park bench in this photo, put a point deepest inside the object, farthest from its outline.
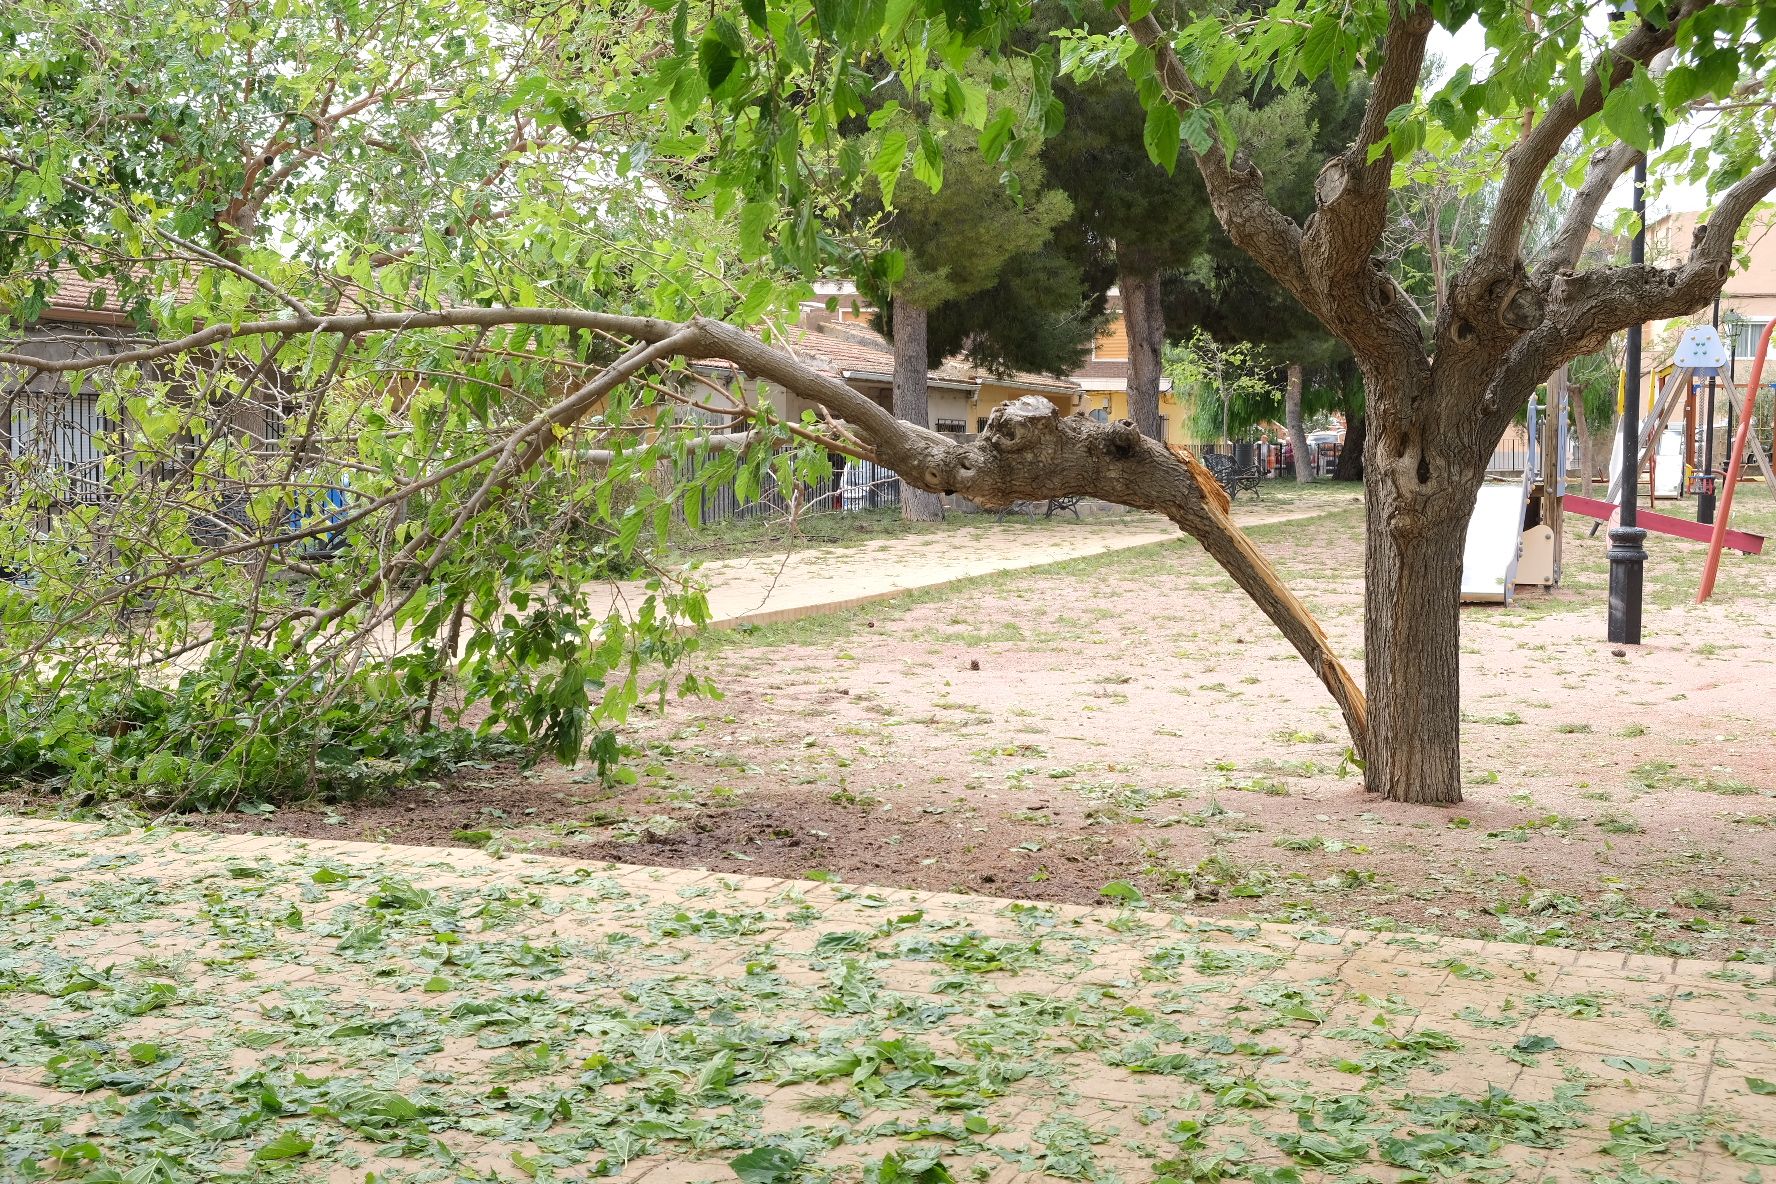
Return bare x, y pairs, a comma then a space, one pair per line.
1233, 478
1054, 505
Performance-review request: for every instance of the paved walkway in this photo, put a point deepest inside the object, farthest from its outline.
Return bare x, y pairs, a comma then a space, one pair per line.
765, 588
188, 1006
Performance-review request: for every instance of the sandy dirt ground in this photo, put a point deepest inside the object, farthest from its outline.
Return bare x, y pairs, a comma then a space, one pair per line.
1131, 721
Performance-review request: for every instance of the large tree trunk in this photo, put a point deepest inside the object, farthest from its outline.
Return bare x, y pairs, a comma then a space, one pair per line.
1297, 430
1423, 480
1143, 316
1423, 474
912, 401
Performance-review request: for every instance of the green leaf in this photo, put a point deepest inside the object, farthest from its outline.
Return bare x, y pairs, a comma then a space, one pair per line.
890, 158
1628, 109
997, 134
766, 1165
718, 54
1758, 1085
1321, 45
755, 219
928, 161
362, 937
755, 12
1163, 134
1629, 1064
1120, 890
288, 1145
1536, 1044
436, 985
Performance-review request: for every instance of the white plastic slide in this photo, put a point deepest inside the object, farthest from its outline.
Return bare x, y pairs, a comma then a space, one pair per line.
1495, 539
1668, 473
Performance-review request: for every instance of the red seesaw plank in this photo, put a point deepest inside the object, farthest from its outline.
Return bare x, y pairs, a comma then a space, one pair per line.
1683, 528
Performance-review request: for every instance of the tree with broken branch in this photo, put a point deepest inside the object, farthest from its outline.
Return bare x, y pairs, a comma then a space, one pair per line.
1439, 399
573, 326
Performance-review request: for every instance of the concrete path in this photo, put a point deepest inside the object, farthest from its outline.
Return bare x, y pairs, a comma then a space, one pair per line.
190, 1006
762, 589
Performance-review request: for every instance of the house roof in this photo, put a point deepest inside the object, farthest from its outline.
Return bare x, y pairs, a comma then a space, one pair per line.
853, 351
75, 298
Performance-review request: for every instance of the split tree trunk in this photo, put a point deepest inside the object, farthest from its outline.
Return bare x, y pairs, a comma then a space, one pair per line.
912, 400
1297, 430
1143, 316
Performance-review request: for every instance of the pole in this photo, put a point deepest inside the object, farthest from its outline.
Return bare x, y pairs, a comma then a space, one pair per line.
1627, 556
1705, 494
1732, 378
1735, 462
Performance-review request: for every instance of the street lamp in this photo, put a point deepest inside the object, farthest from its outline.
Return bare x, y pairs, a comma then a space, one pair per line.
1627, 556
1705, 487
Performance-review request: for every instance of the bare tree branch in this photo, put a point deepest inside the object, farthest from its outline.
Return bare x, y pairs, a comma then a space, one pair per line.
1330, 267
1585, 308
1352, 191
1528, 159
1235, 187
1606, 168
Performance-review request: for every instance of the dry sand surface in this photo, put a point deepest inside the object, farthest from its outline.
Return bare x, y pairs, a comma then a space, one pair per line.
1131, 718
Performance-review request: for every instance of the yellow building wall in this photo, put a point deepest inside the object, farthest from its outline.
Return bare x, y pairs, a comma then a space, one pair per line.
1113, 343
1116, 406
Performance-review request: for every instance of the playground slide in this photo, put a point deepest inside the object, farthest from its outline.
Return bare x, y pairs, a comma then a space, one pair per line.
1495, 539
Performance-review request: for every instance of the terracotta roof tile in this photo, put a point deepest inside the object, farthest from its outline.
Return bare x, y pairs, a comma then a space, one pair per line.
70, 293
850, 348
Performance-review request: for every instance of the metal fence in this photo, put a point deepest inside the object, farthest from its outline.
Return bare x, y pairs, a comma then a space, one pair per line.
59, 442
851, 486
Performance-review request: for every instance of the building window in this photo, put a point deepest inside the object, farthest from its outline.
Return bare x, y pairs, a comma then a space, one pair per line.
1743, 337
1162, 429
980, 423
954, 427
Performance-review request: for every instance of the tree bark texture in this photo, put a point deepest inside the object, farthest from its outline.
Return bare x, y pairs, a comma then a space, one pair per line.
1421, 485
1297, 430
1144, 318
912, 401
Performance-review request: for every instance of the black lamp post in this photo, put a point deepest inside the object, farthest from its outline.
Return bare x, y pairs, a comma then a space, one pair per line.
1627, 557
1705, 490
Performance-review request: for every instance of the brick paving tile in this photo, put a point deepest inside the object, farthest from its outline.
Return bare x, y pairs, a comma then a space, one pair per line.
327, 1010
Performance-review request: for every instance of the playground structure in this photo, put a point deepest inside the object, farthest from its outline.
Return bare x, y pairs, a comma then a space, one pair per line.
1516, 534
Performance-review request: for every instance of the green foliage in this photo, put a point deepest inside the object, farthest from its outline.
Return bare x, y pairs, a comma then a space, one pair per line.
1228, 390
242, 726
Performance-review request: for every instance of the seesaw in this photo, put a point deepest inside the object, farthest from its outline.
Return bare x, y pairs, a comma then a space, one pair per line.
1683, 528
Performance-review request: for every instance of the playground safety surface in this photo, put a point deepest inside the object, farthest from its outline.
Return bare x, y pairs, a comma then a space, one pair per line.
195, 1006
